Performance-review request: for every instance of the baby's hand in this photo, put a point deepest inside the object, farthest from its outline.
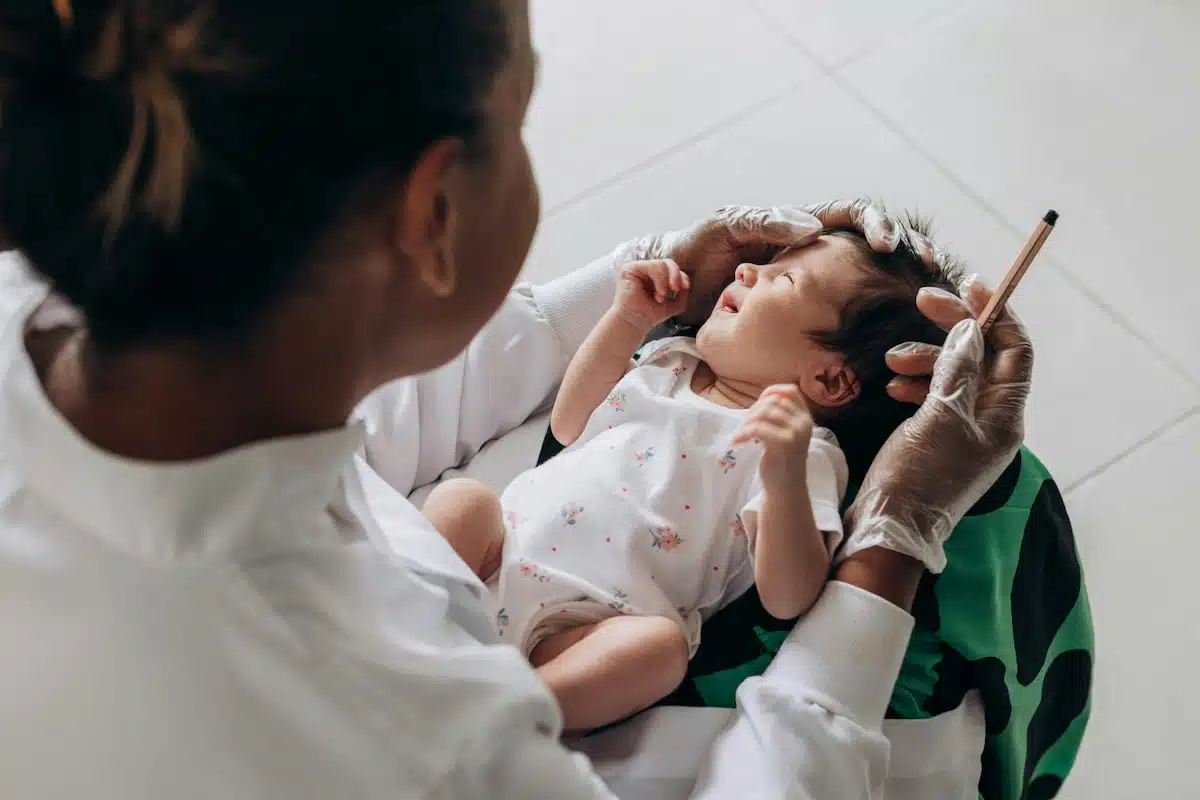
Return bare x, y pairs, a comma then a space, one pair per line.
780, 420
651, 292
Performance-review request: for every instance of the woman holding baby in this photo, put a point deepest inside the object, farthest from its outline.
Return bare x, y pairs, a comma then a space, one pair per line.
235, 222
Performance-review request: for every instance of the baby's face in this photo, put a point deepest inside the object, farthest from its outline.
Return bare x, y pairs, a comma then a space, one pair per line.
761, 330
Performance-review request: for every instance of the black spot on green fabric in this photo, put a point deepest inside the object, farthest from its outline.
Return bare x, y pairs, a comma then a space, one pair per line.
1044, 788
1000, 492
956, 676
925, 604
989, 677
991, 774
1047, 581
953, 680
1065, 690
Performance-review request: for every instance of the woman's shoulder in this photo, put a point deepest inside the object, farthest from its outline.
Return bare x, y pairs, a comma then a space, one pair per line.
193, 660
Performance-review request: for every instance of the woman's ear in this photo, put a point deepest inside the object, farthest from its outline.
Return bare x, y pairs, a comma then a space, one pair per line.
833, 386
426, 218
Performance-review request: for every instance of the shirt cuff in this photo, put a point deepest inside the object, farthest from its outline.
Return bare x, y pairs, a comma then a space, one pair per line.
574, 303
829, 520
847, 651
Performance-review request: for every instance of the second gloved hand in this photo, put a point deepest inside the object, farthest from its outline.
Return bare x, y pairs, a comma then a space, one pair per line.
938, 464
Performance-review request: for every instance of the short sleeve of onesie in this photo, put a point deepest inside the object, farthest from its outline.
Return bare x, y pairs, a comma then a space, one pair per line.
827, 478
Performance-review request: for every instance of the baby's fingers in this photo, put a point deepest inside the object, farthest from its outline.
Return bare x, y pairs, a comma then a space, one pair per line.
677, 279
679, 284
783, 391
656, 275
755, 431
676, 302
659, 276
773, 413
668, 280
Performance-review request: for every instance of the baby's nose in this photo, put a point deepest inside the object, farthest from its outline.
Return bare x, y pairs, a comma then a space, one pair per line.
746, 274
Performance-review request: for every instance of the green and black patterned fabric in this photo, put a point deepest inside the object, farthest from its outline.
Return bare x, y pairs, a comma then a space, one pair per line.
1009, 617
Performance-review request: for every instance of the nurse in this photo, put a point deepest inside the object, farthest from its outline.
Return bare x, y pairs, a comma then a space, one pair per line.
236, 219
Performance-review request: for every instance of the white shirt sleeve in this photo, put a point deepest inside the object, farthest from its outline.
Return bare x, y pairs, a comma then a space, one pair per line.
419, 427
827, 478
810, 726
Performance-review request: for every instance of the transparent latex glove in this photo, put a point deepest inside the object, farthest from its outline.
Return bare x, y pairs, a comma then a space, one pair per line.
938, 464
711, 249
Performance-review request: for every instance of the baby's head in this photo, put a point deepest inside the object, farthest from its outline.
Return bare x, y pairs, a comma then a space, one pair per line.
823, 317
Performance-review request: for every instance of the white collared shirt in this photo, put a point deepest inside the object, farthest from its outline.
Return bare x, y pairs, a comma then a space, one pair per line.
280, 622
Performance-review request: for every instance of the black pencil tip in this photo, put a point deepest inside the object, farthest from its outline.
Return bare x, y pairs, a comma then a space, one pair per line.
1051, 217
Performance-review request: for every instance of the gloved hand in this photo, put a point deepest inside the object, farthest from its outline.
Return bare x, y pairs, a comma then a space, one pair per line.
970, 424
711, 249
880, 230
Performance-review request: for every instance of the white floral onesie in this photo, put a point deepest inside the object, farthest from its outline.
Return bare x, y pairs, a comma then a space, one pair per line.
652, 511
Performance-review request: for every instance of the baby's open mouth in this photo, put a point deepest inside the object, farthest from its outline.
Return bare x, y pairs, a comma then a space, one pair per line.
727, 303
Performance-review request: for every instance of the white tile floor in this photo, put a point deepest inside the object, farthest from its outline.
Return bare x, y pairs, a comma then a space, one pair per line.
983, 113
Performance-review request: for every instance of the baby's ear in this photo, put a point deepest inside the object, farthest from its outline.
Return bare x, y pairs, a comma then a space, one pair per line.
836, 385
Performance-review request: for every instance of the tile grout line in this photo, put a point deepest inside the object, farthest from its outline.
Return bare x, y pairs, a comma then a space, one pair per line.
683, 144
832, 72
1148, 439
916, 24
1068, 274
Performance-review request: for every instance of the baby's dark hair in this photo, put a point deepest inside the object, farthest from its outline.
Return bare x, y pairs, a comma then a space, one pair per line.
880, 316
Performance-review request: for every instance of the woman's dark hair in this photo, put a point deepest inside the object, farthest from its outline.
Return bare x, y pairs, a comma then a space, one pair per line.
170, 166
880, 316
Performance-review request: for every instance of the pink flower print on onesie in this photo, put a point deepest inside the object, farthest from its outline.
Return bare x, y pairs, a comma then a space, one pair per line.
531, 571
739, 528
570, 513
512, 518
644, 456
677, 371
615, 400
727, 461
664, 538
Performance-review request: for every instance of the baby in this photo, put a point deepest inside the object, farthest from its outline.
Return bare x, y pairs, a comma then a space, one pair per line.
694, 473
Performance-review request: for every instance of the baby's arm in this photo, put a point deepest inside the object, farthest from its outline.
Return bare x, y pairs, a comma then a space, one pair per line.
791, 555
648, 293
791, 558
597, 367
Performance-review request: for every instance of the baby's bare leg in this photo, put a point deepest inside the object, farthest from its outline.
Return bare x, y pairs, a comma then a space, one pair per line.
468, 515
606, 671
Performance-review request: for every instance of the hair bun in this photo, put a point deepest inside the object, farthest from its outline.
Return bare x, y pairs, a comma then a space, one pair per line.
34, 49
138, 47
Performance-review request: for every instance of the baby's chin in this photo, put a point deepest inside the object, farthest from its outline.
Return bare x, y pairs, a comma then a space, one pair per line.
710, 342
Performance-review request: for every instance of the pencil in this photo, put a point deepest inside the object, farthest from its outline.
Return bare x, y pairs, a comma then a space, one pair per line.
1017, 271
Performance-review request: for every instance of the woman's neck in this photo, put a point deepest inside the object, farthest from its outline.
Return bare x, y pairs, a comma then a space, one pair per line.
179, 403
